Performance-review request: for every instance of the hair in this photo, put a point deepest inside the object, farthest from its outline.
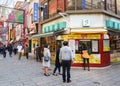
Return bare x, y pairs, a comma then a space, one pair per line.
65, 43
60, 45
46, 45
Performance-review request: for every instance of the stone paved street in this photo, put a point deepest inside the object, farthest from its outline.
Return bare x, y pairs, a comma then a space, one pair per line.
14, 72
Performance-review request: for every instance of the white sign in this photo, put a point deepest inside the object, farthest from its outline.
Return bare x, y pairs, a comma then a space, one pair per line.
72, 46
86, 23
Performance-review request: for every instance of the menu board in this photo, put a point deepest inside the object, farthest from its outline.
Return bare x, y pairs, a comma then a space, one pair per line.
72, 46
94, 46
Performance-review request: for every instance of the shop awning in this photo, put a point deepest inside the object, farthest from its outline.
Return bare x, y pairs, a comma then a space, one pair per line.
43, 35
88, 30
114, 32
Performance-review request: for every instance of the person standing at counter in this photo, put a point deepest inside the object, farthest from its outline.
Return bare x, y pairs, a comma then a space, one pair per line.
85, 56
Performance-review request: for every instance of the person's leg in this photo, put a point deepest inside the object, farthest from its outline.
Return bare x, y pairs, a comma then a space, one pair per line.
19, 55
54, 70
36, 57
59, 69
64, 71
68, 71
88, 64
26, 55
40, 58
84, 63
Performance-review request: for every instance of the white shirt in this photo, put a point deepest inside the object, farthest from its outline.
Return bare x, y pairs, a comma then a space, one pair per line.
19, 47
66, 53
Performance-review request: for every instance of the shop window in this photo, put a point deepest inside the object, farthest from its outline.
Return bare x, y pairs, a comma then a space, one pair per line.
95, 46
78, 45
88, 4
71, 4
79, 4
110, 5
106, 45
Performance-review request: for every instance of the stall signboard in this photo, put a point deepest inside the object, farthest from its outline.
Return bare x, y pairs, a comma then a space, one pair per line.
80, 36
94, 58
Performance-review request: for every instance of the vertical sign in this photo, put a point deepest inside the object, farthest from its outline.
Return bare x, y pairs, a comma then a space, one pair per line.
45, 12
35, 15
83, 4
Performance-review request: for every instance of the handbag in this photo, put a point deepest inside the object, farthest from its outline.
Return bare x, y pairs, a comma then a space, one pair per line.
46, 58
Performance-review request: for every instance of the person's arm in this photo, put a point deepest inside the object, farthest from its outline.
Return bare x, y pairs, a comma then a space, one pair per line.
71, 56
60, 56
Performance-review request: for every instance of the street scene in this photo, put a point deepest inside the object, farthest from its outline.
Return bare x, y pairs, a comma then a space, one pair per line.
28, 72
59, 42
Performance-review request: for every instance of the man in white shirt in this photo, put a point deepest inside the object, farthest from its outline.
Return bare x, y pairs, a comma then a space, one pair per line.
66, 57
19, 47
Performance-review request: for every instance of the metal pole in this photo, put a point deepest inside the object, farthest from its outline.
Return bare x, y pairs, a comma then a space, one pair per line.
24, 27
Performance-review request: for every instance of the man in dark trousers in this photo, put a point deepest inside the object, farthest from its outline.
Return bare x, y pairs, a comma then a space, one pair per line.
38, 53
66, 57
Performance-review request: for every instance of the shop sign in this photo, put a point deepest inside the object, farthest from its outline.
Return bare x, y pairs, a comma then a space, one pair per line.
112, 24
54, 27
86, 23
35, 15
34, 40
83, 4
1, 24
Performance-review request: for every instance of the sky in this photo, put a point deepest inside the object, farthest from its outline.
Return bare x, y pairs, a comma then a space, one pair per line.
9, 3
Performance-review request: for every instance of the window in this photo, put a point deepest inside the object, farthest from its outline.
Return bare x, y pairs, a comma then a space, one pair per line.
106, 45
95, 46
71, 4
78, 45
110, 5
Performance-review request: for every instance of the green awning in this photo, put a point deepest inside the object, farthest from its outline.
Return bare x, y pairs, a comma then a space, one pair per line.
43, 35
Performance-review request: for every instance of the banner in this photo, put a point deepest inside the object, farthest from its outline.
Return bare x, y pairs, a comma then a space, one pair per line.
11, 15
35, 15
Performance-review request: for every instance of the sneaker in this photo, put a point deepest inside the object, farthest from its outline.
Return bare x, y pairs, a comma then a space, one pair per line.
60, 74
69, 81
54, 74
64, 81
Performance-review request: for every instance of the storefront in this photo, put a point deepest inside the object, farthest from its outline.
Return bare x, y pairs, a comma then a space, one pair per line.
94, 35
114, 33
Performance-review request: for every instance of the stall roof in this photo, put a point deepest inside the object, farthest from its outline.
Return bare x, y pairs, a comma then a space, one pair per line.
88, 30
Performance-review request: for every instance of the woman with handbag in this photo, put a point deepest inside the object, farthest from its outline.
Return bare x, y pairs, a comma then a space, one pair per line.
46, 63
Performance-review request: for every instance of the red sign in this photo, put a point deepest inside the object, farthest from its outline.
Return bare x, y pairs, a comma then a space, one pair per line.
52, 7
1, 24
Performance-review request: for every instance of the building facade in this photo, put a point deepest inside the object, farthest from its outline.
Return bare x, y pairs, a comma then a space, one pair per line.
95, 23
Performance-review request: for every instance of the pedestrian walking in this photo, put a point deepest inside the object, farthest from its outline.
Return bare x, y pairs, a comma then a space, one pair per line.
10, 49
85, 56
27, 51
66, 57
57, 62
20, 48
38, 53
46, 64
4, 51
15, 48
